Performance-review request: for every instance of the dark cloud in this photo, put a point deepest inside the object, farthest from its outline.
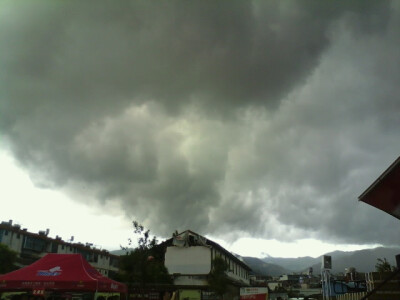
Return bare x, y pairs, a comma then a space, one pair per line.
264, 118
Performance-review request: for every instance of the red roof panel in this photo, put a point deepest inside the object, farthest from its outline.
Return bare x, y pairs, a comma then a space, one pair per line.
384, 193
60, 272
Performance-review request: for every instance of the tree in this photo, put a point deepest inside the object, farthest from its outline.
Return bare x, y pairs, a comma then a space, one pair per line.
7, 259
145, 263
218, 279
383, 265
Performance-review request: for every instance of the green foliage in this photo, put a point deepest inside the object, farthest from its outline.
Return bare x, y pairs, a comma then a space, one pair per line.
383, 265
145, 263
218, 279
7, 259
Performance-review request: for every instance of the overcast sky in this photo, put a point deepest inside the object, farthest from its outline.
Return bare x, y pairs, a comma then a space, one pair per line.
252, 121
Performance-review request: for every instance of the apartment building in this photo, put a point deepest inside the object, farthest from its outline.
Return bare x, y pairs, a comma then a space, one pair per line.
32, 246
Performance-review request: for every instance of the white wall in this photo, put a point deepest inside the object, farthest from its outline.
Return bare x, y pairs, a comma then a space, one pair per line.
236, 271
64, 249
103, 264
239, 277
13, 240
191, 280
195, 260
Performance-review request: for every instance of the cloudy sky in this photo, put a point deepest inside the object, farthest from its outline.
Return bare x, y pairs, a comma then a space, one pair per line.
256, 123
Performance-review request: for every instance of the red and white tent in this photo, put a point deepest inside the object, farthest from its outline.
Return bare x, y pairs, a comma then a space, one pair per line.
59, 272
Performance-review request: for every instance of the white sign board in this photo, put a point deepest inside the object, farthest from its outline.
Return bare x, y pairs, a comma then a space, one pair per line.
194, 260
254, 293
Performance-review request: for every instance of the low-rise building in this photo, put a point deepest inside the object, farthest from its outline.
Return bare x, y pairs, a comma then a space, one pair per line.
189, 259
189, 256
32, 246
290, 280
274, 285
259, 280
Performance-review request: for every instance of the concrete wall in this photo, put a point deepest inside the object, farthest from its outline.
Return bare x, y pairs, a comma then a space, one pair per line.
191, 280
196, 260
236, 271
65, 249
12, 240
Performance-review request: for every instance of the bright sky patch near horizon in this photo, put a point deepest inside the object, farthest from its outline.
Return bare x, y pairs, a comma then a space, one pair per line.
88, 225
261, 120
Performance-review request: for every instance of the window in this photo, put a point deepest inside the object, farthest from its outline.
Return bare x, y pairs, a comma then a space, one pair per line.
114, 262
86, 255
54, 247
34, 244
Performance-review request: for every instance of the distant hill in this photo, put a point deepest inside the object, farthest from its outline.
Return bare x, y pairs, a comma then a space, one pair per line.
263, 268
300, 264
292, 264
362, 260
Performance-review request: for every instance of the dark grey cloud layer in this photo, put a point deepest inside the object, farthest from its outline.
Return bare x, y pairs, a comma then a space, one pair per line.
260, 118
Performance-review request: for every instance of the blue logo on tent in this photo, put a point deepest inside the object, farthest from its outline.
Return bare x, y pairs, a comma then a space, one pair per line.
56, 271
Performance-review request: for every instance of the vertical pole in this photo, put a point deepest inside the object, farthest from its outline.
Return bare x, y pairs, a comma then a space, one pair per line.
325, 287
328, 279
323, 284
326, 284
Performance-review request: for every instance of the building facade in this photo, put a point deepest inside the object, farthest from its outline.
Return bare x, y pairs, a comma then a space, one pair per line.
189, 258
32, 246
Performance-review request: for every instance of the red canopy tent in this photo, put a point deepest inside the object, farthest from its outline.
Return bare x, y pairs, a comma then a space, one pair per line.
60, 272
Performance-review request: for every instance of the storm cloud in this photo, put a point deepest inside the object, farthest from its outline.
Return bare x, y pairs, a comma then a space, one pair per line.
248, 118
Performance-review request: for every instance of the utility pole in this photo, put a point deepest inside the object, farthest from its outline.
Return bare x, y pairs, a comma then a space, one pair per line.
326, 266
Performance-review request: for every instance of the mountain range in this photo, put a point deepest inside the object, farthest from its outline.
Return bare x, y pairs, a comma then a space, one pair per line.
361, 260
